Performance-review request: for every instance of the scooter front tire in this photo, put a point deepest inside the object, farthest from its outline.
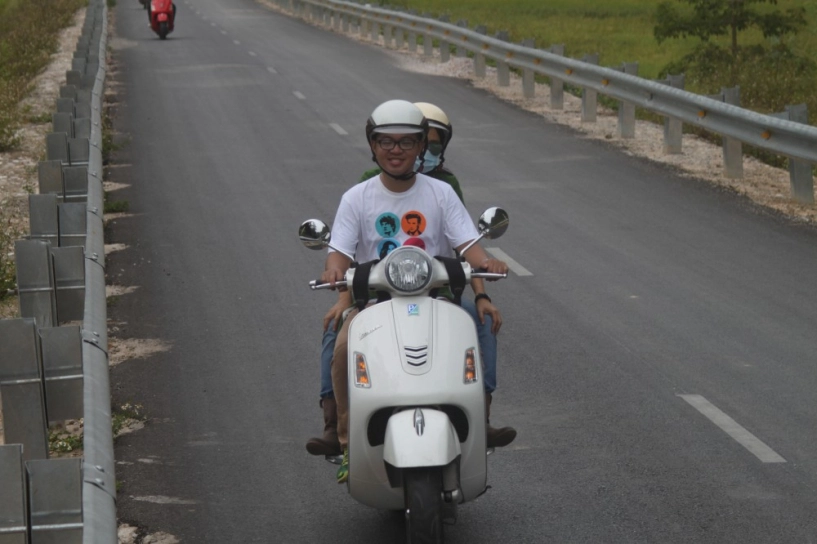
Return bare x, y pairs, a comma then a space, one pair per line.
424, 506
163, 30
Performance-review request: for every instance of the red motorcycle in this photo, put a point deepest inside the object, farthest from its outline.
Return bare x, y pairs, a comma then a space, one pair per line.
162, 14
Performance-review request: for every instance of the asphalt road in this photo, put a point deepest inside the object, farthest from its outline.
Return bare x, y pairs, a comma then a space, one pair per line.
658, 363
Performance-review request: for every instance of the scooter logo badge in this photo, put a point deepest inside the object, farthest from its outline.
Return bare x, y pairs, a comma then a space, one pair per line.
413, 309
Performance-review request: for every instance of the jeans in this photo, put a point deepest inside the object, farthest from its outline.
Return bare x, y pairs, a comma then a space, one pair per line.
487, 347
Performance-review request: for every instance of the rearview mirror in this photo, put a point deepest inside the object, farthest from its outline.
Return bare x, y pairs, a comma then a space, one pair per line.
493, 223
314, 234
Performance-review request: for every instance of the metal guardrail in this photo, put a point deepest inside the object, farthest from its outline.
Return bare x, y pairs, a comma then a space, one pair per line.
50, 368
781, 136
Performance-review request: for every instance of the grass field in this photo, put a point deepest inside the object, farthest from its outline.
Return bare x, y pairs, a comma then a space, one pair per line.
619, 30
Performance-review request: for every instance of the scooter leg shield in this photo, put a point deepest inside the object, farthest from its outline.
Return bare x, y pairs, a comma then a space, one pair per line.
420, 437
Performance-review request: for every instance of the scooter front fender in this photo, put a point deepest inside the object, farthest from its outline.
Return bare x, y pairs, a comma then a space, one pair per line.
420, 437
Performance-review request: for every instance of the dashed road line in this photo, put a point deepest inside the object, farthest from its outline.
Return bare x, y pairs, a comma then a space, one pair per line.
299, 95
252, 53
236, 42
515, 267
271, 70
733, 429
339, 129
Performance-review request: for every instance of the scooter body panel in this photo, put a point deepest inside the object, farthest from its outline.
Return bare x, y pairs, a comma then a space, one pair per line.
430, 442
390, 335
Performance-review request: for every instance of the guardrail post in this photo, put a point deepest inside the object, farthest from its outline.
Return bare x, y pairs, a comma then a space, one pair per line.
55, 500
462, 52
445, 46
50, 178
35, 281
399, 38
673, 128
43, 218
21, 387
62, 371
528, 81
800, 176
626, 110
479, 58
428, 40
69, 281
557, 86
412, 34
388, 34
503, 71
344, 23
374, 29
589, 96
732, 148
13, 499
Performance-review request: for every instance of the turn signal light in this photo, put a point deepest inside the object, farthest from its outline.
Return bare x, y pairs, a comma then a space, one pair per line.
361, 372
470, 366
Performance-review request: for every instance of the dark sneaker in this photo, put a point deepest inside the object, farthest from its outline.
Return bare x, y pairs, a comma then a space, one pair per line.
499, 438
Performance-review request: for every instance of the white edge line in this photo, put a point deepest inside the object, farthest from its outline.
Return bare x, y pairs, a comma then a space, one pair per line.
339, 129
733, 429
513, 265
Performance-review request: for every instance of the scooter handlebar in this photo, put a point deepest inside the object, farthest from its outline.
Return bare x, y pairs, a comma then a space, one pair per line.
318, 284
480, 273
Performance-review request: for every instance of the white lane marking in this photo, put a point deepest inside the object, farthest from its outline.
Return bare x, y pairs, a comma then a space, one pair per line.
733, 429
236, 42
252, 53
513, 265
271, 70
224, 32
213, 24
299, 95
338, 129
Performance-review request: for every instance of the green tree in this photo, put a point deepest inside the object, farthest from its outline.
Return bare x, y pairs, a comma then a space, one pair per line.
710, 18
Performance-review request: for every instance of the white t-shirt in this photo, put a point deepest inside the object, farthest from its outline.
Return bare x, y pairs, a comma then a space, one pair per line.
371, 220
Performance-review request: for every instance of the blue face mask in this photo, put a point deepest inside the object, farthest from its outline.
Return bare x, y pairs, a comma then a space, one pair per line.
432, 160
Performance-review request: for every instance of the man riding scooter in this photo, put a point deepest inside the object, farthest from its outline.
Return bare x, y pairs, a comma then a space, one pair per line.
396, 132
486, 316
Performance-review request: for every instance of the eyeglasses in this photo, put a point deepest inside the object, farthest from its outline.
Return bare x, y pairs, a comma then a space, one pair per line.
387, 144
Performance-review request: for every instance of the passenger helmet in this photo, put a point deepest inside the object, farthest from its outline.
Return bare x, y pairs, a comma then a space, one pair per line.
396, 117
437, 118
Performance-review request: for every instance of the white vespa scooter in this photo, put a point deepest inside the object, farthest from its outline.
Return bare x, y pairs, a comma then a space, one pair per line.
416, 398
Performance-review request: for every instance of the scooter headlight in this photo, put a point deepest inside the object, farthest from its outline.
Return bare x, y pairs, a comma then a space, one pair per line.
408, 269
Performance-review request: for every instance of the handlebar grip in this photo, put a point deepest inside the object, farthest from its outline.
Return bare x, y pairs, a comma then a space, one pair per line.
317, 284
480, 273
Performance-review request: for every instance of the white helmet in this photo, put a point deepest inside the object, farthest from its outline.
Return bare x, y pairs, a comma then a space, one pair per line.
396, 117
437, 118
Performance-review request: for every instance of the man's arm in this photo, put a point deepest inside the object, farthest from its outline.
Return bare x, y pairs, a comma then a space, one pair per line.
335, 268
478, 258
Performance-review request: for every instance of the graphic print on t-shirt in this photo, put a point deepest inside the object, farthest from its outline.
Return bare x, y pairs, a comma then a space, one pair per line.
413, 223
385, 246
386, 225
416, 242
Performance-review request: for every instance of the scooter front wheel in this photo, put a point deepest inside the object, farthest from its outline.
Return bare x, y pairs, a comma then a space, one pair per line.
424, 506
163, 30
